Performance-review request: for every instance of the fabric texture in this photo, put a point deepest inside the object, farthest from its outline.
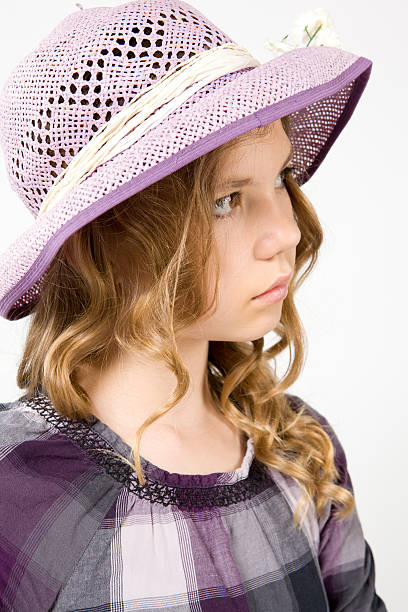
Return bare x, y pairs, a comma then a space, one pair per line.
78, 532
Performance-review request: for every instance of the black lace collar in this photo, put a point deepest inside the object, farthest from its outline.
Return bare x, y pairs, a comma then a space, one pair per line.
182, 490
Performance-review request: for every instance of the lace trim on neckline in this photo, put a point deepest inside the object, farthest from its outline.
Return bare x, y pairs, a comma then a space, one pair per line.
183, 491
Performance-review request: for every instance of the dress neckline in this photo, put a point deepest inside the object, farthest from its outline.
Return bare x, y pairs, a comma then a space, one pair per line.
157, 474
92, 434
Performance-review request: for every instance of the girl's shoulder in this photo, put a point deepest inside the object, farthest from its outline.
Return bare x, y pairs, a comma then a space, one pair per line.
18, 424
340, 459
345, 557
53, 500
297, 403
34, 452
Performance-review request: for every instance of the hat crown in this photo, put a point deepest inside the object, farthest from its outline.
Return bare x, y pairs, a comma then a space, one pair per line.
94, 62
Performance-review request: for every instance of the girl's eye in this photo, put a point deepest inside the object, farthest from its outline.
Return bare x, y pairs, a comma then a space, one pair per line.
220, 201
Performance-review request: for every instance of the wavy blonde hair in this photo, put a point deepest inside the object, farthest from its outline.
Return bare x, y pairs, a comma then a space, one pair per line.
132, 278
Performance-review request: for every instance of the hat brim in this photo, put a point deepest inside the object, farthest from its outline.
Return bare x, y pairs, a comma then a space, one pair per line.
319, 87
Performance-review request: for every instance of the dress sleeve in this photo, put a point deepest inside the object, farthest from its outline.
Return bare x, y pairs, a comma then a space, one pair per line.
345, 557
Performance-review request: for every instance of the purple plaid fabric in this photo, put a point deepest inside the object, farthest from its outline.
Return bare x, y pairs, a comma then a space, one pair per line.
79, 532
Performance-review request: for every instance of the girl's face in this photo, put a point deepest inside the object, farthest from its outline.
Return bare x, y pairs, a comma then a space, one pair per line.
256, 241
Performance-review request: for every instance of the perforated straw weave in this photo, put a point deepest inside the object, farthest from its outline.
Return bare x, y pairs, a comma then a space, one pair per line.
98, 60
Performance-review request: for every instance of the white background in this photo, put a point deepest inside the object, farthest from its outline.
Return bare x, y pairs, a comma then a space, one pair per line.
354, 305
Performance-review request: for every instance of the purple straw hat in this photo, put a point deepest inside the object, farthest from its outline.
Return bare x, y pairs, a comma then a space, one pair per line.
115, 98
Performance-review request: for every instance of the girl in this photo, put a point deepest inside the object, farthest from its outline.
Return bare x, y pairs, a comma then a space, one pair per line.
155, 459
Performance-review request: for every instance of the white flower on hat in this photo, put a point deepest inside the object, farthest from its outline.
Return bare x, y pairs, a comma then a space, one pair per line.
310, 28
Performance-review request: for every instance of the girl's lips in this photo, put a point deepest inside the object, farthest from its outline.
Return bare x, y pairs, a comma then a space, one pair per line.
282, 280
276, 294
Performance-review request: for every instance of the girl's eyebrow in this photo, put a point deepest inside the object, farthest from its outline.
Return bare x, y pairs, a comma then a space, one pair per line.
234, 182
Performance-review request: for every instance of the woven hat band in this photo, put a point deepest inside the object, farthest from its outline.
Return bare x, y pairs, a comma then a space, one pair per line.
139, 115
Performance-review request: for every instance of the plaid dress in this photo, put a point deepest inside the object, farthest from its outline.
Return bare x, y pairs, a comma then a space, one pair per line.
79, 532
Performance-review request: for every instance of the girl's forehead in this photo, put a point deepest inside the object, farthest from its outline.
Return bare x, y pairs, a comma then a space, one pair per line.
251, 142
271, 131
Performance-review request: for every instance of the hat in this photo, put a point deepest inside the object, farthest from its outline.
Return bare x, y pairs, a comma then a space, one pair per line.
116, 98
